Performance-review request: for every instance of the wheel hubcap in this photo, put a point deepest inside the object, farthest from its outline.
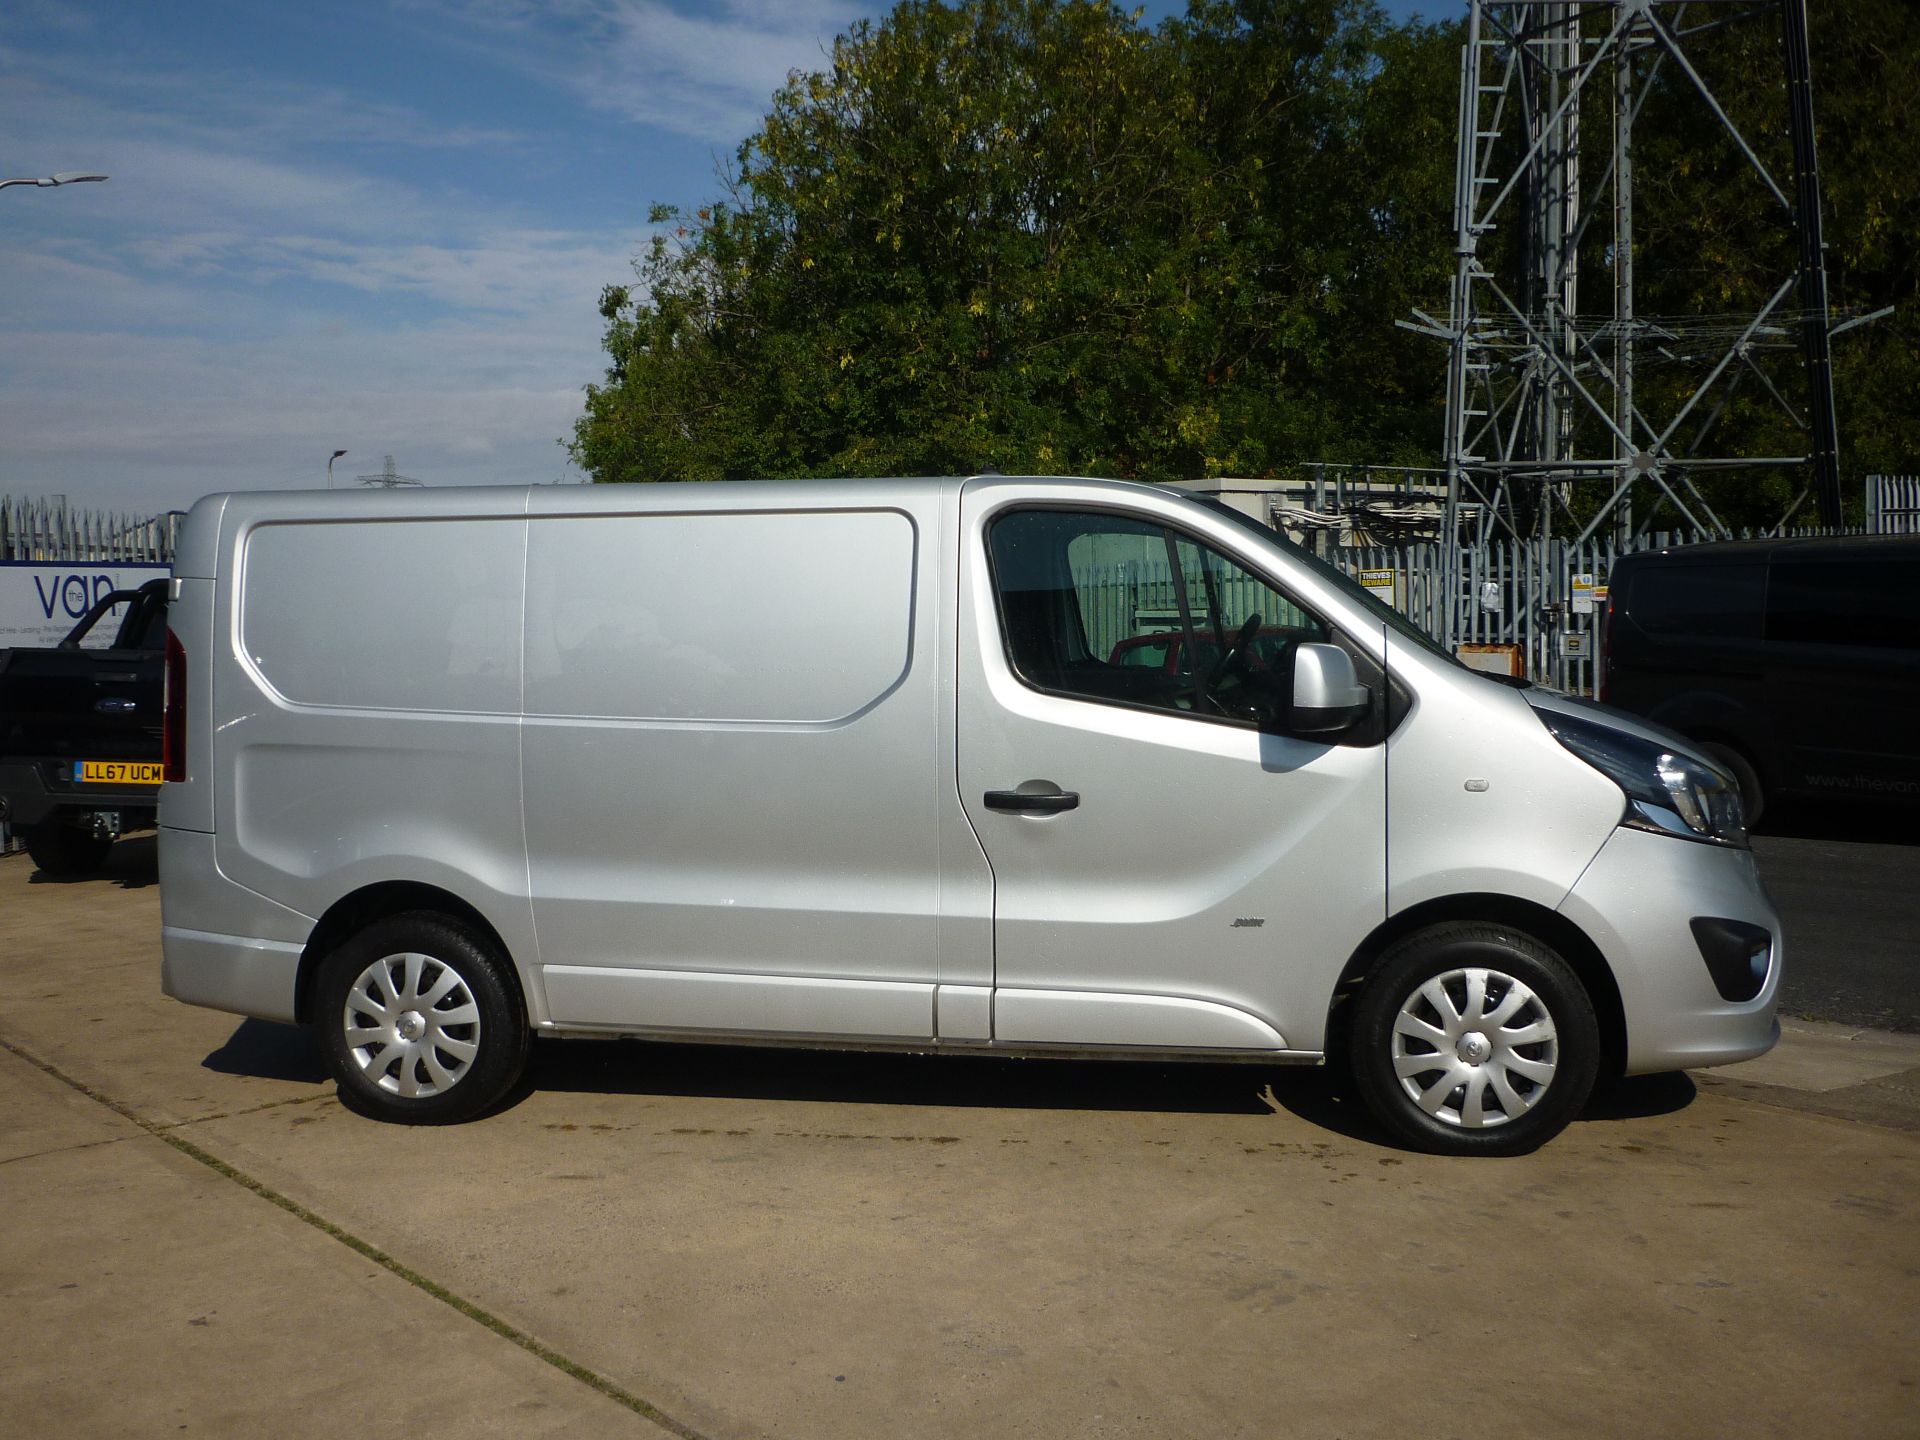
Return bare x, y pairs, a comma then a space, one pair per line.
412, 1025
1474, 1047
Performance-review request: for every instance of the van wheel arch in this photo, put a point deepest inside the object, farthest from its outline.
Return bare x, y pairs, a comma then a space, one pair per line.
353, 913
1553, 930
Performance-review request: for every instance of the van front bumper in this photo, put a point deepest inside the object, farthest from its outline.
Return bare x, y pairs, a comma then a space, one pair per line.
1637, 901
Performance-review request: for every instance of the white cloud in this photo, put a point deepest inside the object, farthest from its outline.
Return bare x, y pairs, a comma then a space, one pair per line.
189, 370
264, 280
160, 92
104, 416
708, 72
521, 273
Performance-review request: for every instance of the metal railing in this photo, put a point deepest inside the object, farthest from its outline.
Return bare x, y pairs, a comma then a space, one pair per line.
1893, 504
1547, 598
50, 529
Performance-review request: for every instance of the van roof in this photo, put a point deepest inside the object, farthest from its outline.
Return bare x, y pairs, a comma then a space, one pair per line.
509, 499
197, 552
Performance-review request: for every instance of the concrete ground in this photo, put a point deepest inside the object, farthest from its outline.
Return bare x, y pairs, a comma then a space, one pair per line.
196, 1238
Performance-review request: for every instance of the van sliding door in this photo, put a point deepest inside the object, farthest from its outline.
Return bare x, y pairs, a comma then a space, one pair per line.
732, 770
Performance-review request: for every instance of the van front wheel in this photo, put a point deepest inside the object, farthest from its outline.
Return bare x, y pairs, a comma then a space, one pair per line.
420, 1021
1474, 1039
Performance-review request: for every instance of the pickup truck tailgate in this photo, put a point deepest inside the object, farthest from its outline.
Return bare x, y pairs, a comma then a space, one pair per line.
80, 705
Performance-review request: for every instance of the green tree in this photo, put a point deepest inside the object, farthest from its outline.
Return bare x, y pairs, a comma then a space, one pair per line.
1033, 235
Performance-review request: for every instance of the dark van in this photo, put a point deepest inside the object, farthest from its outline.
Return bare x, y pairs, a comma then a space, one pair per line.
1797, 662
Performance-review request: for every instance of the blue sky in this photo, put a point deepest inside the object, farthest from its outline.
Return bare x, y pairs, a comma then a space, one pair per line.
378, 225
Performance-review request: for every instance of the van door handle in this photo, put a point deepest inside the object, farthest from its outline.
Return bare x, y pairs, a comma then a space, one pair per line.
1042, 802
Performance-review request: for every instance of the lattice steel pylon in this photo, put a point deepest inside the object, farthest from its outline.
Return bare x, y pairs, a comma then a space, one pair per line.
387, 479
1546, 432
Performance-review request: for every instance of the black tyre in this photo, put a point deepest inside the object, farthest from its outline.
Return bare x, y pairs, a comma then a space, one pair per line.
420, 1021
66, 851
1474, 1039
1753, 796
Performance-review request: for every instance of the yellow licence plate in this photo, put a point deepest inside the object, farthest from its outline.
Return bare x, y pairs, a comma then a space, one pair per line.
119, 772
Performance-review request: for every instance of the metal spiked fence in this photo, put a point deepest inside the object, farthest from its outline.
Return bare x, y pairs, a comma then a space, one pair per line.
49, 529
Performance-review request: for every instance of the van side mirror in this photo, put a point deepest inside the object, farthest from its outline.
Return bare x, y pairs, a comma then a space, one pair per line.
1327, 695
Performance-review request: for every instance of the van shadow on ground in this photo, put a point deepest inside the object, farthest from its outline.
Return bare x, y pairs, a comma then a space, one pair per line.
876, 1078
1321, 1096
267, 1051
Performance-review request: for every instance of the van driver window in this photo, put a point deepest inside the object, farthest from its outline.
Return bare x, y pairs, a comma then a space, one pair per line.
1119, 610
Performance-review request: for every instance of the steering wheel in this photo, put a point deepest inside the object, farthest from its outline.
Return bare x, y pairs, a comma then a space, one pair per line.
1233, 652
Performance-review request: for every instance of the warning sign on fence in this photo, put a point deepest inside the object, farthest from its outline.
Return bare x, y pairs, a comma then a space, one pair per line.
1588, 591
1382, 585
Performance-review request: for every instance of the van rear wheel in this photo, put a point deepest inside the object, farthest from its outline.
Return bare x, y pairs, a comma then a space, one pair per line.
420, 1021
1474, 1039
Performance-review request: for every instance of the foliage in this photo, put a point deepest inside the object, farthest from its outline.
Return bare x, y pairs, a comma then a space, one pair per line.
1034, 235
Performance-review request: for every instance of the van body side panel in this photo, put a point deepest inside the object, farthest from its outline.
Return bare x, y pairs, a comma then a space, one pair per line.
222, 945
1027, 1016
732, 753
366, 688
1484, 800
657, 1001
1212, 880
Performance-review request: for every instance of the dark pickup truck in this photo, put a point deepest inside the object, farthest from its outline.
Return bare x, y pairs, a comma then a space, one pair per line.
80, 734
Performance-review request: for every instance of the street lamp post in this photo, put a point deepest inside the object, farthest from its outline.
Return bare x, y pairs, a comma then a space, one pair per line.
65, 177
330, 459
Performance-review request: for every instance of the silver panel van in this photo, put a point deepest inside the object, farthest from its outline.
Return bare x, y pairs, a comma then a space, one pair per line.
970, 766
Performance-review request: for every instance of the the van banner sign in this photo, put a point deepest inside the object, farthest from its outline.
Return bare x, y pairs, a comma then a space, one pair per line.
41, 600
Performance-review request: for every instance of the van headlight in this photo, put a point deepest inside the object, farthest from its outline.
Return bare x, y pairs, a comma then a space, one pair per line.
1666, 791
